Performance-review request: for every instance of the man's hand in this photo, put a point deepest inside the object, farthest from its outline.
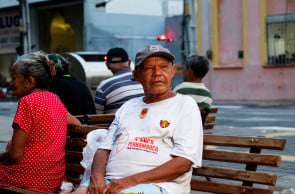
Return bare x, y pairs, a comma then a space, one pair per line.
118, 185
97, 185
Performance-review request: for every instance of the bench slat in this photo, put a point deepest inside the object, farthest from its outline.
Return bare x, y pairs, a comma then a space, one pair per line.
243, 158
73, 155
239, 141
76, 142
213, 110
208, 126
234, 174
76, 168
16, 190
97, 118
226, 188
210, 118
81, 129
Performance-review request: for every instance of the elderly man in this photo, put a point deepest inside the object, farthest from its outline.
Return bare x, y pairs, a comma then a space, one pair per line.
154, 140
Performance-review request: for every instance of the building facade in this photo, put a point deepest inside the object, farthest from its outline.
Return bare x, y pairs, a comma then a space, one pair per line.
251, 45
81, 25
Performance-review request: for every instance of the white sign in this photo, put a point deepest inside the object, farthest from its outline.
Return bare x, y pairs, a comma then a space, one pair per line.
9, 29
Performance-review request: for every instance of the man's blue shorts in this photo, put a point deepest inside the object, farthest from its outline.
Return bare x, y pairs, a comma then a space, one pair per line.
137, 189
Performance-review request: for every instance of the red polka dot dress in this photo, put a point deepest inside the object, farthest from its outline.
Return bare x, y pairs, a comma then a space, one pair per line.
44, 118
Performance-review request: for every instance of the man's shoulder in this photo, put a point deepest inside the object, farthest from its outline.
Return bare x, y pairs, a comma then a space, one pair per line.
185, 100
190, 86
105, 82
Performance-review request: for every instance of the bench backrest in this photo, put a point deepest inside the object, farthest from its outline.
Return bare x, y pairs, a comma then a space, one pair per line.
208, 119
230, 164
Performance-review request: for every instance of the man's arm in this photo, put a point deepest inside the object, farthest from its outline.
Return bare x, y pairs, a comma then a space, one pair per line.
97, 182
165, 172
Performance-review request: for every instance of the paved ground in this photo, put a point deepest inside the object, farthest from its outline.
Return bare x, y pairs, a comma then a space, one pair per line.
270, 119
263, 119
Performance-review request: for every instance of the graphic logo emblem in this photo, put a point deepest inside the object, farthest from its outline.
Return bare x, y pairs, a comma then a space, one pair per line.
164, 123
143, 113
121, 143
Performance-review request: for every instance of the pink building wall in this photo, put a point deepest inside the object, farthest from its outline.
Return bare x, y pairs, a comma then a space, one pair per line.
230, 35
233, 80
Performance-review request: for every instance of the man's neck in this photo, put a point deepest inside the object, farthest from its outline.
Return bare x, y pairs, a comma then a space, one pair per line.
194, 80
151, 98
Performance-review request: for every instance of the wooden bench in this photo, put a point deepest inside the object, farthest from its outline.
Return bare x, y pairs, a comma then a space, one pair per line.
231, 164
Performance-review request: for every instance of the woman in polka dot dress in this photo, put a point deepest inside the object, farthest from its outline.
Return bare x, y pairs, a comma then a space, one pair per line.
34, 158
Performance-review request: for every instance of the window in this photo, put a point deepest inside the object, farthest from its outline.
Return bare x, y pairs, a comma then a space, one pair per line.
280, 39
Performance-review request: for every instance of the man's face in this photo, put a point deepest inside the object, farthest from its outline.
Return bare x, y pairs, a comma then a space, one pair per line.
155, 75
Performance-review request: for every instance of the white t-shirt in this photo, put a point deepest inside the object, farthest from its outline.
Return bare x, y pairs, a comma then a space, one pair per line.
144, 136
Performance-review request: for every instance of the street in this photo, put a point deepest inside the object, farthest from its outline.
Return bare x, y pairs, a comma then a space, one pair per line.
243, 119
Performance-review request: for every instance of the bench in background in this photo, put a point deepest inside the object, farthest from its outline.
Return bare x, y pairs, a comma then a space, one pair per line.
219, 174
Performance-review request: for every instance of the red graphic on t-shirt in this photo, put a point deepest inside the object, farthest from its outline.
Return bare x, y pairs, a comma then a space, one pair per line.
121, 142
144, 144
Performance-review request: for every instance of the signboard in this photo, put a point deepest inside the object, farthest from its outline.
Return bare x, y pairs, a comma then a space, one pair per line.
9, 29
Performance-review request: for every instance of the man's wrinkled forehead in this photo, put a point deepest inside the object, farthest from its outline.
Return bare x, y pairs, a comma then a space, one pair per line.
156, 60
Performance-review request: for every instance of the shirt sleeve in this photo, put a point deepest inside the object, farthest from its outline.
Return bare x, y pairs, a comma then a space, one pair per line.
188, 135
110, 138
99, 101
24, 116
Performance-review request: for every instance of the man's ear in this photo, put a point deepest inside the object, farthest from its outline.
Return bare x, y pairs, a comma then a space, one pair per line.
174, 69
135, 75
191, 73
108, 66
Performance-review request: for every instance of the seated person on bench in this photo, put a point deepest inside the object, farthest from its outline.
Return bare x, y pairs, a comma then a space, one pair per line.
154, 140
35, 156
196, 68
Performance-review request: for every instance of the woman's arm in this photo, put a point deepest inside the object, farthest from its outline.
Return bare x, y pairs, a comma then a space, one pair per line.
15, 151
73, 121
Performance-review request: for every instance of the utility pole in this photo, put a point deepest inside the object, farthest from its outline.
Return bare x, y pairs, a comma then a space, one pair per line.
25, 31
189, 28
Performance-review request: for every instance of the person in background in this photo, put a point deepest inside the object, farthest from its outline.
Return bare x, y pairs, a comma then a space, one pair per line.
196, 68
35, 156
154, 140
72, 92
113, 92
